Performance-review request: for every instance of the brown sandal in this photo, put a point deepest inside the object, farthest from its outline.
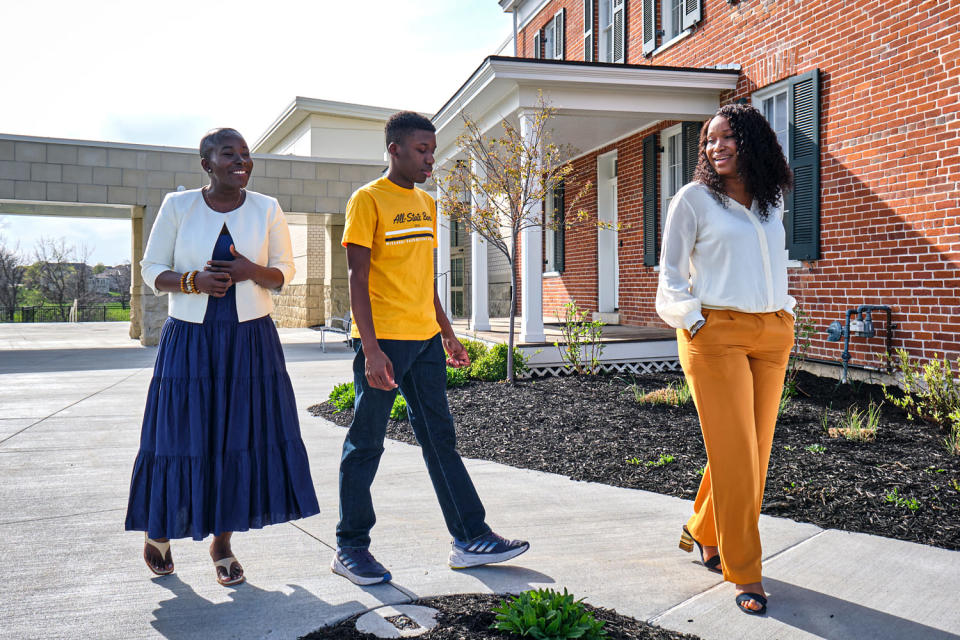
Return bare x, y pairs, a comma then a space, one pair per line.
163, 548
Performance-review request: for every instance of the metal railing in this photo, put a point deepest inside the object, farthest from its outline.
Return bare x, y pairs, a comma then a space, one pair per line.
54, 313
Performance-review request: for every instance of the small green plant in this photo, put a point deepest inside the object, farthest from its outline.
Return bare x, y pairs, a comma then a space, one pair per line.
788, 447
546, 614
930, 392
582, 345
475, 349
953, 437
955, 484
342, 396
664, 459
492, 366
399, 409
803, 330
815, 448
675, 393
702, 470
457, 377
894, 497
857, 424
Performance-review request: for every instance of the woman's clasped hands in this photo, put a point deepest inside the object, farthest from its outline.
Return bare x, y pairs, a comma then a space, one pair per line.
218, 275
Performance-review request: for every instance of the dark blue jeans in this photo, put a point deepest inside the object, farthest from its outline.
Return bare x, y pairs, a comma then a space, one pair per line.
419, 367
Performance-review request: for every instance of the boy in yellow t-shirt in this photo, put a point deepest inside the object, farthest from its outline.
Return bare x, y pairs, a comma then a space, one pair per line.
401, 333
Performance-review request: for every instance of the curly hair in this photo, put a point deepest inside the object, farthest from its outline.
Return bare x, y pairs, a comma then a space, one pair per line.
214, 138
760, 161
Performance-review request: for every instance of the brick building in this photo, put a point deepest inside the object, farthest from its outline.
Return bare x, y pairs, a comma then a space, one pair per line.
864, 97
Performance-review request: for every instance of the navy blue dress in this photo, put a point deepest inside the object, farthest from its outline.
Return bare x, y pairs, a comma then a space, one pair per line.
220, 448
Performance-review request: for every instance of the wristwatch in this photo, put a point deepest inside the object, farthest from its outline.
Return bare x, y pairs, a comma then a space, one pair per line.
696, 327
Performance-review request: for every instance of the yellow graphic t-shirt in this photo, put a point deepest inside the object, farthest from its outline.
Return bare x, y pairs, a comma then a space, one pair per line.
399, 226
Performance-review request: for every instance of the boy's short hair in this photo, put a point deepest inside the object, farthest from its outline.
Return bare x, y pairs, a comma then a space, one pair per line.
401, 124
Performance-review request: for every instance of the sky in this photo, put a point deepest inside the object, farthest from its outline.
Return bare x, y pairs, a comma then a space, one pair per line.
164, 73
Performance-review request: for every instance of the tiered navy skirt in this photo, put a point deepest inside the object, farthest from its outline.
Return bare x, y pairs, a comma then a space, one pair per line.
220, 448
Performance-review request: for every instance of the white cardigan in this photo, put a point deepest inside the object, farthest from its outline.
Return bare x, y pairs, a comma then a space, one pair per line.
185, 233
717, 257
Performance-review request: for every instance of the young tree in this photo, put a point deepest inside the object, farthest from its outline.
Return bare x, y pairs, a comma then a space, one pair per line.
60, 273
12, 268
510, 172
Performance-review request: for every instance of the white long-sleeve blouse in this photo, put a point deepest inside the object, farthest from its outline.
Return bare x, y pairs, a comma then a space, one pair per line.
185, 233
720, 257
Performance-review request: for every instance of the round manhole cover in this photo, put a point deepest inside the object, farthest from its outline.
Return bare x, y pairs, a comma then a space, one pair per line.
399, 621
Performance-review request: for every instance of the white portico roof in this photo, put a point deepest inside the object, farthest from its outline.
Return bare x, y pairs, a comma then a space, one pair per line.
596, 103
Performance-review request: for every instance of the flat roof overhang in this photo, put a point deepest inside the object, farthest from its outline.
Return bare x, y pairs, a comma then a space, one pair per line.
596, 103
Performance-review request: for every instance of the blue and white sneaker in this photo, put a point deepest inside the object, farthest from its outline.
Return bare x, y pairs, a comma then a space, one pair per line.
487, 549
358, 565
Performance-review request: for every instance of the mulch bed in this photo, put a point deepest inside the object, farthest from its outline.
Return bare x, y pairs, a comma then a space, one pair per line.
469, 616
903, 485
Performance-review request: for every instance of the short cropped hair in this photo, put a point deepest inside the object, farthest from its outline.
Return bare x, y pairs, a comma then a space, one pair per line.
402, 124
214, 139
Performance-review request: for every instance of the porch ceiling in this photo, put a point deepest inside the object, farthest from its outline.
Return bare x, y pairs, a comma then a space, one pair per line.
596, 103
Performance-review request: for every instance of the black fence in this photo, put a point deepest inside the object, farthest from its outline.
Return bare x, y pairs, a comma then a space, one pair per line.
85, 313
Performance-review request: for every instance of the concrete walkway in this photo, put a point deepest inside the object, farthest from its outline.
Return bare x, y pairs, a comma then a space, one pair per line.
71, 398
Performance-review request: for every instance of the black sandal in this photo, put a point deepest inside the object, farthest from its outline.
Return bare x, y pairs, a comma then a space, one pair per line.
686, 543
744, 598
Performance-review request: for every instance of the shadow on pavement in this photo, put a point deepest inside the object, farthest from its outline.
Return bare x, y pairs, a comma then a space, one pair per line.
252, 612
58, 360
499, 579
833, 618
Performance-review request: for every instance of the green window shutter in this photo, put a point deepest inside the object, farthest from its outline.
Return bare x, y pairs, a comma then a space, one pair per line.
649, 26
560, 234
560, 35
801, 216
588, 30
690, 141
649, 178
537, 49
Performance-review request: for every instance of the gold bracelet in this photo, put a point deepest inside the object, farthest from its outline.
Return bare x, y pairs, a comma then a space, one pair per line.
192, 280
183, 282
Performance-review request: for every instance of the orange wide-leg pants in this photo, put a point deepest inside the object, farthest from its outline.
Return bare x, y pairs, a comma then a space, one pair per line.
735, 366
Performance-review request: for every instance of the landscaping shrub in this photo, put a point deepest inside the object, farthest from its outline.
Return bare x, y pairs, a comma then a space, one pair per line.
582, 340
457, 377
475, 349
546, 614
399, 410
342, 396
493, 365
930, 393
675, 393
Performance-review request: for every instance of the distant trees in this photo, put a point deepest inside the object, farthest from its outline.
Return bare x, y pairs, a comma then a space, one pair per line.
120, 282
60, 273
12, 271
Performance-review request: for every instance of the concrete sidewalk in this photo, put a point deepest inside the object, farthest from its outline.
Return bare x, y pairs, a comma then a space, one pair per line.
71, 398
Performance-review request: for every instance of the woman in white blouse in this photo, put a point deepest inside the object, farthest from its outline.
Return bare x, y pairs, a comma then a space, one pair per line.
723, 285
220, 446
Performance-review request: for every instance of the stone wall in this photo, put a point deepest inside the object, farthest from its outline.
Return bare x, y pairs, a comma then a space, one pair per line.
84, 173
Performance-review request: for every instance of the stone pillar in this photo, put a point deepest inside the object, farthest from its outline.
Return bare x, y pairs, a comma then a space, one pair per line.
336, 287
154, 309
443, 260
136, 282
479, 287
531, 262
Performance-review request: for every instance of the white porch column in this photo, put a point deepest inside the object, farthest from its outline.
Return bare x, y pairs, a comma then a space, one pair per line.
479, 287
443, 259
531, 265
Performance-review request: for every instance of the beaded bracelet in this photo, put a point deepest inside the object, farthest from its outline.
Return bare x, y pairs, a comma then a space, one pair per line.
183, 282
193, 282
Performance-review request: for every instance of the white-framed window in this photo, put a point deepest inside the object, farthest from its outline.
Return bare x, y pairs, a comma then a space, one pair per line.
605, 52
671, 167
554, 238
671, 17
774, 108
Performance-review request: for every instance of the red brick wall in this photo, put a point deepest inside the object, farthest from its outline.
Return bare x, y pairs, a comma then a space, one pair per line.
890, 165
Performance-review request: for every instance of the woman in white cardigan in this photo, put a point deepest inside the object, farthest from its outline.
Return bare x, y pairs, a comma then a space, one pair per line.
220, 446
723, 285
